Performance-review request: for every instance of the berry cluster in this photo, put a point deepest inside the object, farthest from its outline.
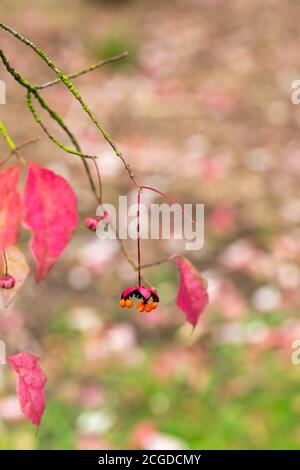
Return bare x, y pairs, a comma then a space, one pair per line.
148, 298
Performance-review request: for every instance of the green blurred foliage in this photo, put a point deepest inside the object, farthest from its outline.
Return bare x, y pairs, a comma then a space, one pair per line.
112, 45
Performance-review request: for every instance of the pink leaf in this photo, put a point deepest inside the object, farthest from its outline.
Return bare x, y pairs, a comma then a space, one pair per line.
192, 296
10, 206
50, 211
30, 385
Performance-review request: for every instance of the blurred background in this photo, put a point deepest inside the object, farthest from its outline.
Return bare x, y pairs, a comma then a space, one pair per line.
201, 109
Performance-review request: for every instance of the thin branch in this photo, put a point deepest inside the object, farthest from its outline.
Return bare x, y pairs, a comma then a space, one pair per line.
28, 142
170, 200
39, 121
125, 252
159, 262
18, 148
84, 71
30, 88
67, 82
5, 263
139, 237
100, 194
129, 258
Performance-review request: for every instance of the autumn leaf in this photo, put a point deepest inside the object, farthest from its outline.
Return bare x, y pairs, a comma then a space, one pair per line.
30, 385
50, 211
18, 268
192, 296
10, 206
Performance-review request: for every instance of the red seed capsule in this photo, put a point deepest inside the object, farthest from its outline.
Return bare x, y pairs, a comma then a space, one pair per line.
91, 223
7, 282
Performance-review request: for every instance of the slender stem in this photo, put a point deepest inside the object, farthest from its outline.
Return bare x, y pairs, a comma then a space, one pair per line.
139, 236
56, 117
159, 262
169, 199
130, 260
100, 193
39, 121
7, 157
28, 142
17, 149
5, 263
84, 71
125, 252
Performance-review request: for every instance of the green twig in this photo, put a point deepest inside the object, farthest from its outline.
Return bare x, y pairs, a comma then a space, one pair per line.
55, 116
67, 82
39, 121
84, 71
6, 137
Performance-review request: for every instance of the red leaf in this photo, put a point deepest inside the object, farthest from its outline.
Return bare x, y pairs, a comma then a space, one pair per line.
10, 206
50, 211
192, 296
30, 385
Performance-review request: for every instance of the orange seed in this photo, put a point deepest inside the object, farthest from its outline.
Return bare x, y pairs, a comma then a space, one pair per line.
140, 307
